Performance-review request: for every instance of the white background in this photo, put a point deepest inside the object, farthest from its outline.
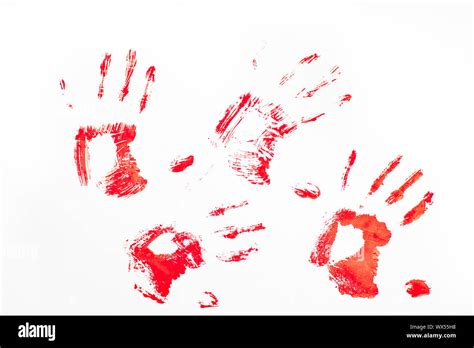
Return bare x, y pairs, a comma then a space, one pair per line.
408, 66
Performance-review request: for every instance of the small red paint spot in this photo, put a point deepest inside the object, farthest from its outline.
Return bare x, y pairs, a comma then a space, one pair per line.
307, 190
350, 163
163, 269
232, 232
179, 164
62, 84
345, 98
104, 67
254, 63
211, 302
417, 211
417, 287
131, 63
222, 210
237, 256
124, 179
354, 275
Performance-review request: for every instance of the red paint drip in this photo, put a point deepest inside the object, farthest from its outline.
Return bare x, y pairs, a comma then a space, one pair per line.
251, 158
231, 232
222, 210
131, 63
417, 211
398, 195
124, 179
150, 79
161, 270
309, 59
237, 256
354, 275
104, 67
214, 302
350, 163
180, 164
345, 98
62, 84
417, 287
379, 181
307, 190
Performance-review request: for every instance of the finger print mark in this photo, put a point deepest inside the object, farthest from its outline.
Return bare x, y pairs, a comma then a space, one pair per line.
379, 181
417, 211
150, 79
222, 210
398, 194
131, 63
350, 163
104, 68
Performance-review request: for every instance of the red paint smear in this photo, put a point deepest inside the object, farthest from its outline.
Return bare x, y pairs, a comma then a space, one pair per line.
397, 195
104, 67
309, 59
232, 232
416, 212
124, 179
62, 84
222, 210
304, 93
379, 181
350, 163
345, 98
237, 256
214, 302
251, 158
161, 270
312, 118
180, 164
254, 63
354, 275
131, 63
287, 77
307, 190
150, 79
417, 287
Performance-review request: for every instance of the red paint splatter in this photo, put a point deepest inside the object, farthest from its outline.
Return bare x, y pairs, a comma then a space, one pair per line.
124, 179
345, 98
150, 79
251, 158
222, 210
309, 59
162, 269
180, 164
104, 67
417, 287
417, 211
62, 84
214, 302
131, 63
379, 181
232, 232
350, 163
397, 195
237, 256
354, 275
307, 190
